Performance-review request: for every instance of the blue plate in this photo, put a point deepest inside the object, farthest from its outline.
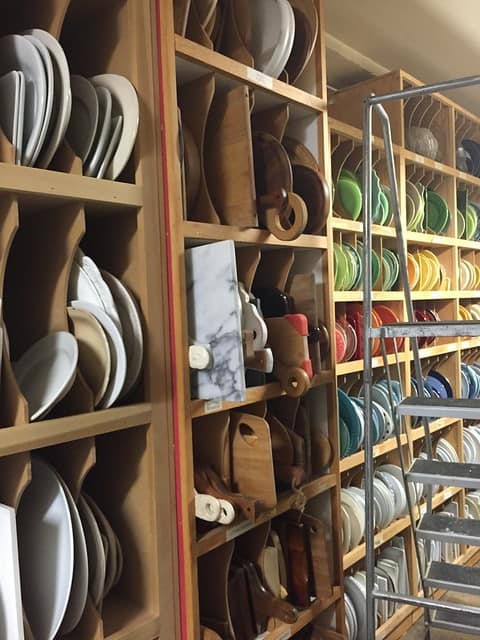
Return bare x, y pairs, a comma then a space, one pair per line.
443, 380
344, 438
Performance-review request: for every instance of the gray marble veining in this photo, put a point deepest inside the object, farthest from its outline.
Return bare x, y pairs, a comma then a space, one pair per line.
214, 320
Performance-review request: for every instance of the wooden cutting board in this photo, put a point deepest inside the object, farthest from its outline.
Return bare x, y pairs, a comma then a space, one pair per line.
252, 460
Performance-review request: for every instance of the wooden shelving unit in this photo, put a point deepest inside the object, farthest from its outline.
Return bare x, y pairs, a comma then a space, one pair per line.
345, 122
183, 61
123, 453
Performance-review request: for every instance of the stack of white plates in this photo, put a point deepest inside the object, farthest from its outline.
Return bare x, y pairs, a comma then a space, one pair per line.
472, 505
105, 320
471, 444
391, 575
353, 511
104, 123
35, 96
65, 550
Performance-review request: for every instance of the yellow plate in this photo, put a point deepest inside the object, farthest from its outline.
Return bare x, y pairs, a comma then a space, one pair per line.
434, 281
426, 272
413, 272
464, 313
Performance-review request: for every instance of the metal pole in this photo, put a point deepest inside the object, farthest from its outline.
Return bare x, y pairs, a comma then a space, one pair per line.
367, 369
426, 89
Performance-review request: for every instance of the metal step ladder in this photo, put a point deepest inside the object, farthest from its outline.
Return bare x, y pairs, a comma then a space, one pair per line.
431, 526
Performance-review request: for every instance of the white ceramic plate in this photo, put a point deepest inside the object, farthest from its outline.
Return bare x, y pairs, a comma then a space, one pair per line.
357, 516
269, 49
115, 135
84, 118
125, 104
96, 553
46, 551
80, 287
79, 590
356, 592
94, 358
346, 529
117, 352
48, 68
20, 113
62, 101
9, 103
111, 556
102, 136
130, 319
17, 53
46, 371
93, 273
11, 614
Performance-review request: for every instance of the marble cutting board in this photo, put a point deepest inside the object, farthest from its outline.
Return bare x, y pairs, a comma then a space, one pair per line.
214, 320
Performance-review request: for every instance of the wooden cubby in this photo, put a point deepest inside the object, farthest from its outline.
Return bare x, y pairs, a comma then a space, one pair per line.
451, 124
123, 454
224, 101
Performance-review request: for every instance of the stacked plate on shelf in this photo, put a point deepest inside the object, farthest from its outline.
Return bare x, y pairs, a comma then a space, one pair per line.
35, 97
469, 222
351, 416
469, 275
349, 332
104, 123
391, 575
426, 210
257, 25
61, 550
471, 444
106, 322
470, 378
348, 268
106, 344
426, 315
426, 272
348, 201
37, 109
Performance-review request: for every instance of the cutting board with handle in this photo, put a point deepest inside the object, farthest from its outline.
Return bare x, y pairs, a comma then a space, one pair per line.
252, 461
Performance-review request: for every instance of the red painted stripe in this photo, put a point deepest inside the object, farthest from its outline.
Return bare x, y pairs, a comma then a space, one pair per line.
176, 422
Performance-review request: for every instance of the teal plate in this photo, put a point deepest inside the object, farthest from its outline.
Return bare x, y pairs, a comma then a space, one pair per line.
347, 412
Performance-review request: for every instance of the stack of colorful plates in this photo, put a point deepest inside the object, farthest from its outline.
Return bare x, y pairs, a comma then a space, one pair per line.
426, 315
348, 201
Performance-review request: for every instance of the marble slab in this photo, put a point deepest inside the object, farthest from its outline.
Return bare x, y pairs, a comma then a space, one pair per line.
214, 320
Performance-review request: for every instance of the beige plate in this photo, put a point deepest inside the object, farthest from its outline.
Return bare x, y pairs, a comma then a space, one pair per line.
94, 358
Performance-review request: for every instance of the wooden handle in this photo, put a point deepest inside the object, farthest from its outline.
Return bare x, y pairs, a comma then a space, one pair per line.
294, 380
286, 222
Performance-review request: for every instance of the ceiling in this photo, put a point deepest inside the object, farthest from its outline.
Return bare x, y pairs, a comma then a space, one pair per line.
433, 40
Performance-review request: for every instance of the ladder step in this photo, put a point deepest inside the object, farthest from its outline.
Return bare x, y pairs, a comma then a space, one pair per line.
453, 577
460, 408
450, 329
434, 526
453, 474
460, 621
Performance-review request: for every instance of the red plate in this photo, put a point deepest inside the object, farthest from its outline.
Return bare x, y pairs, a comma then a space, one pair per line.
340, 342
387, 316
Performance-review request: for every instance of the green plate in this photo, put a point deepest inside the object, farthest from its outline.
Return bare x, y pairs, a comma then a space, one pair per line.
386, 273
346, 173
385, 207
437, 213
348, 198
341, 270
375, 264
461, 226
347, 247
352, 266
388, 192
470, 222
